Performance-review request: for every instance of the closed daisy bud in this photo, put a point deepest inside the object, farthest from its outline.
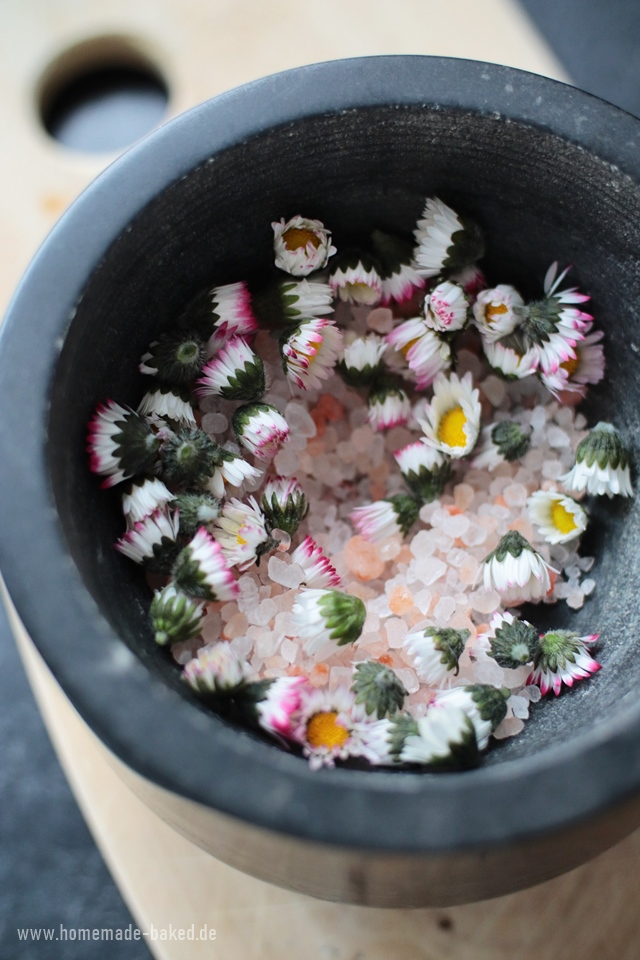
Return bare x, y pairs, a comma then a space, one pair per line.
446, 242
513, 356
241, 530
235, 373
220, 314
260, 429
516, 570
331, 726
196, 510
284, 504
444, 737
189, 457
378, 689
426, 353
142, 497
277, 708
385, 518
424, 469
217, 670
175, 617
512, 642
558, 517
505, 441
121, 443
453, 417
310, 352
290, 301
435, 652
301, 245
362, 360
494, 312
486, 707
201, 570
552, 327
322, 615
562, 657
152, 541
230, 469
400, 279
319, 572
389, 406
573, 375
174, 358
602, 464
355, 278
445, 308
172, 403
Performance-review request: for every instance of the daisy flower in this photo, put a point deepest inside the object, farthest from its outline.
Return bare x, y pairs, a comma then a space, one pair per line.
385, 518
400, 279
201, 570
361, 360
229, 313
486, 707
174, 358
389, 407
444, 736
355, 278
152, 541
301, 245
235, 373
445, 308
241, 530
260, 429
143, 496
189, 457
310, 352
513, 356
290, 301
175, 617
331, 726
445, 242
284, 504
494, 314
562, 657
173, 403
435, 652
378, 689
196, 510
322, 615
558, 517
318, 571
573, 375
516, 570
453, 417
424, 469
425, 352
281, 702
501, 442
232, 470
217, 669
512, 642
602, 464
121, 443
552, 325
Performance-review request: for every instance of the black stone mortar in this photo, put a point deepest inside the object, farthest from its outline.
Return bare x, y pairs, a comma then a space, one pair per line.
550, 173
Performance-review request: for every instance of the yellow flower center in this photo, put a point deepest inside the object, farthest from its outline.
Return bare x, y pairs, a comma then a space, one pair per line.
563, 520
323, 730
494, 310
405, 350
241, 541
571, 365
451, 429
294, 238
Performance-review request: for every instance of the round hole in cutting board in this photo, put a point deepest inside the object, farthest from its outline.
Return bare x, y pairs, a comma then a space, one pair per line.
102, 95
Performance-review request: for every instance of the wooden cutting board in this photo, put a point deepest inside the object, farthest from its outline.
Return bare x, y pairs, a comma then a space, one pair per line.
203, 47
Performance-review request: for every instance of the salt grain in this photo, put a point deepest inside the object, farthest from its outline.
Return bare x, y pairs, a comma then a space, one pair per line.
396, 630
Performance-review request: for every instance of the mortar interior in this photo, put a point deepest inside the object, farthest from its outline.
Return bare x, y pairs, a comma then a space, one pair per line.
537, 198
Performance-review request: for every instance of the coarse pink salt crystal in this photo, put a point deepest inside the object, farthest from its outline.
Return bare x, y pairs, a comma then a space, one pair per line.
423, 544
211, 626
389, 548
380, 320
456, 525
428, 569
522, 525
422, 601
575, 600
340, 677
408, 677
463, 494
228, 610
396, 631
516, 678
236, 626
515, 495
363, 558
444, 609
289, 650
509, 727
400, 600
468, 571
520, 706
485, 601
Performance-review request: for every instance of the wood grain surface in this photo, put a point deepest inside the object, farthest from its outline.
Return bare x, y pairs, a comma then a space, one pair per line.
203, 47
